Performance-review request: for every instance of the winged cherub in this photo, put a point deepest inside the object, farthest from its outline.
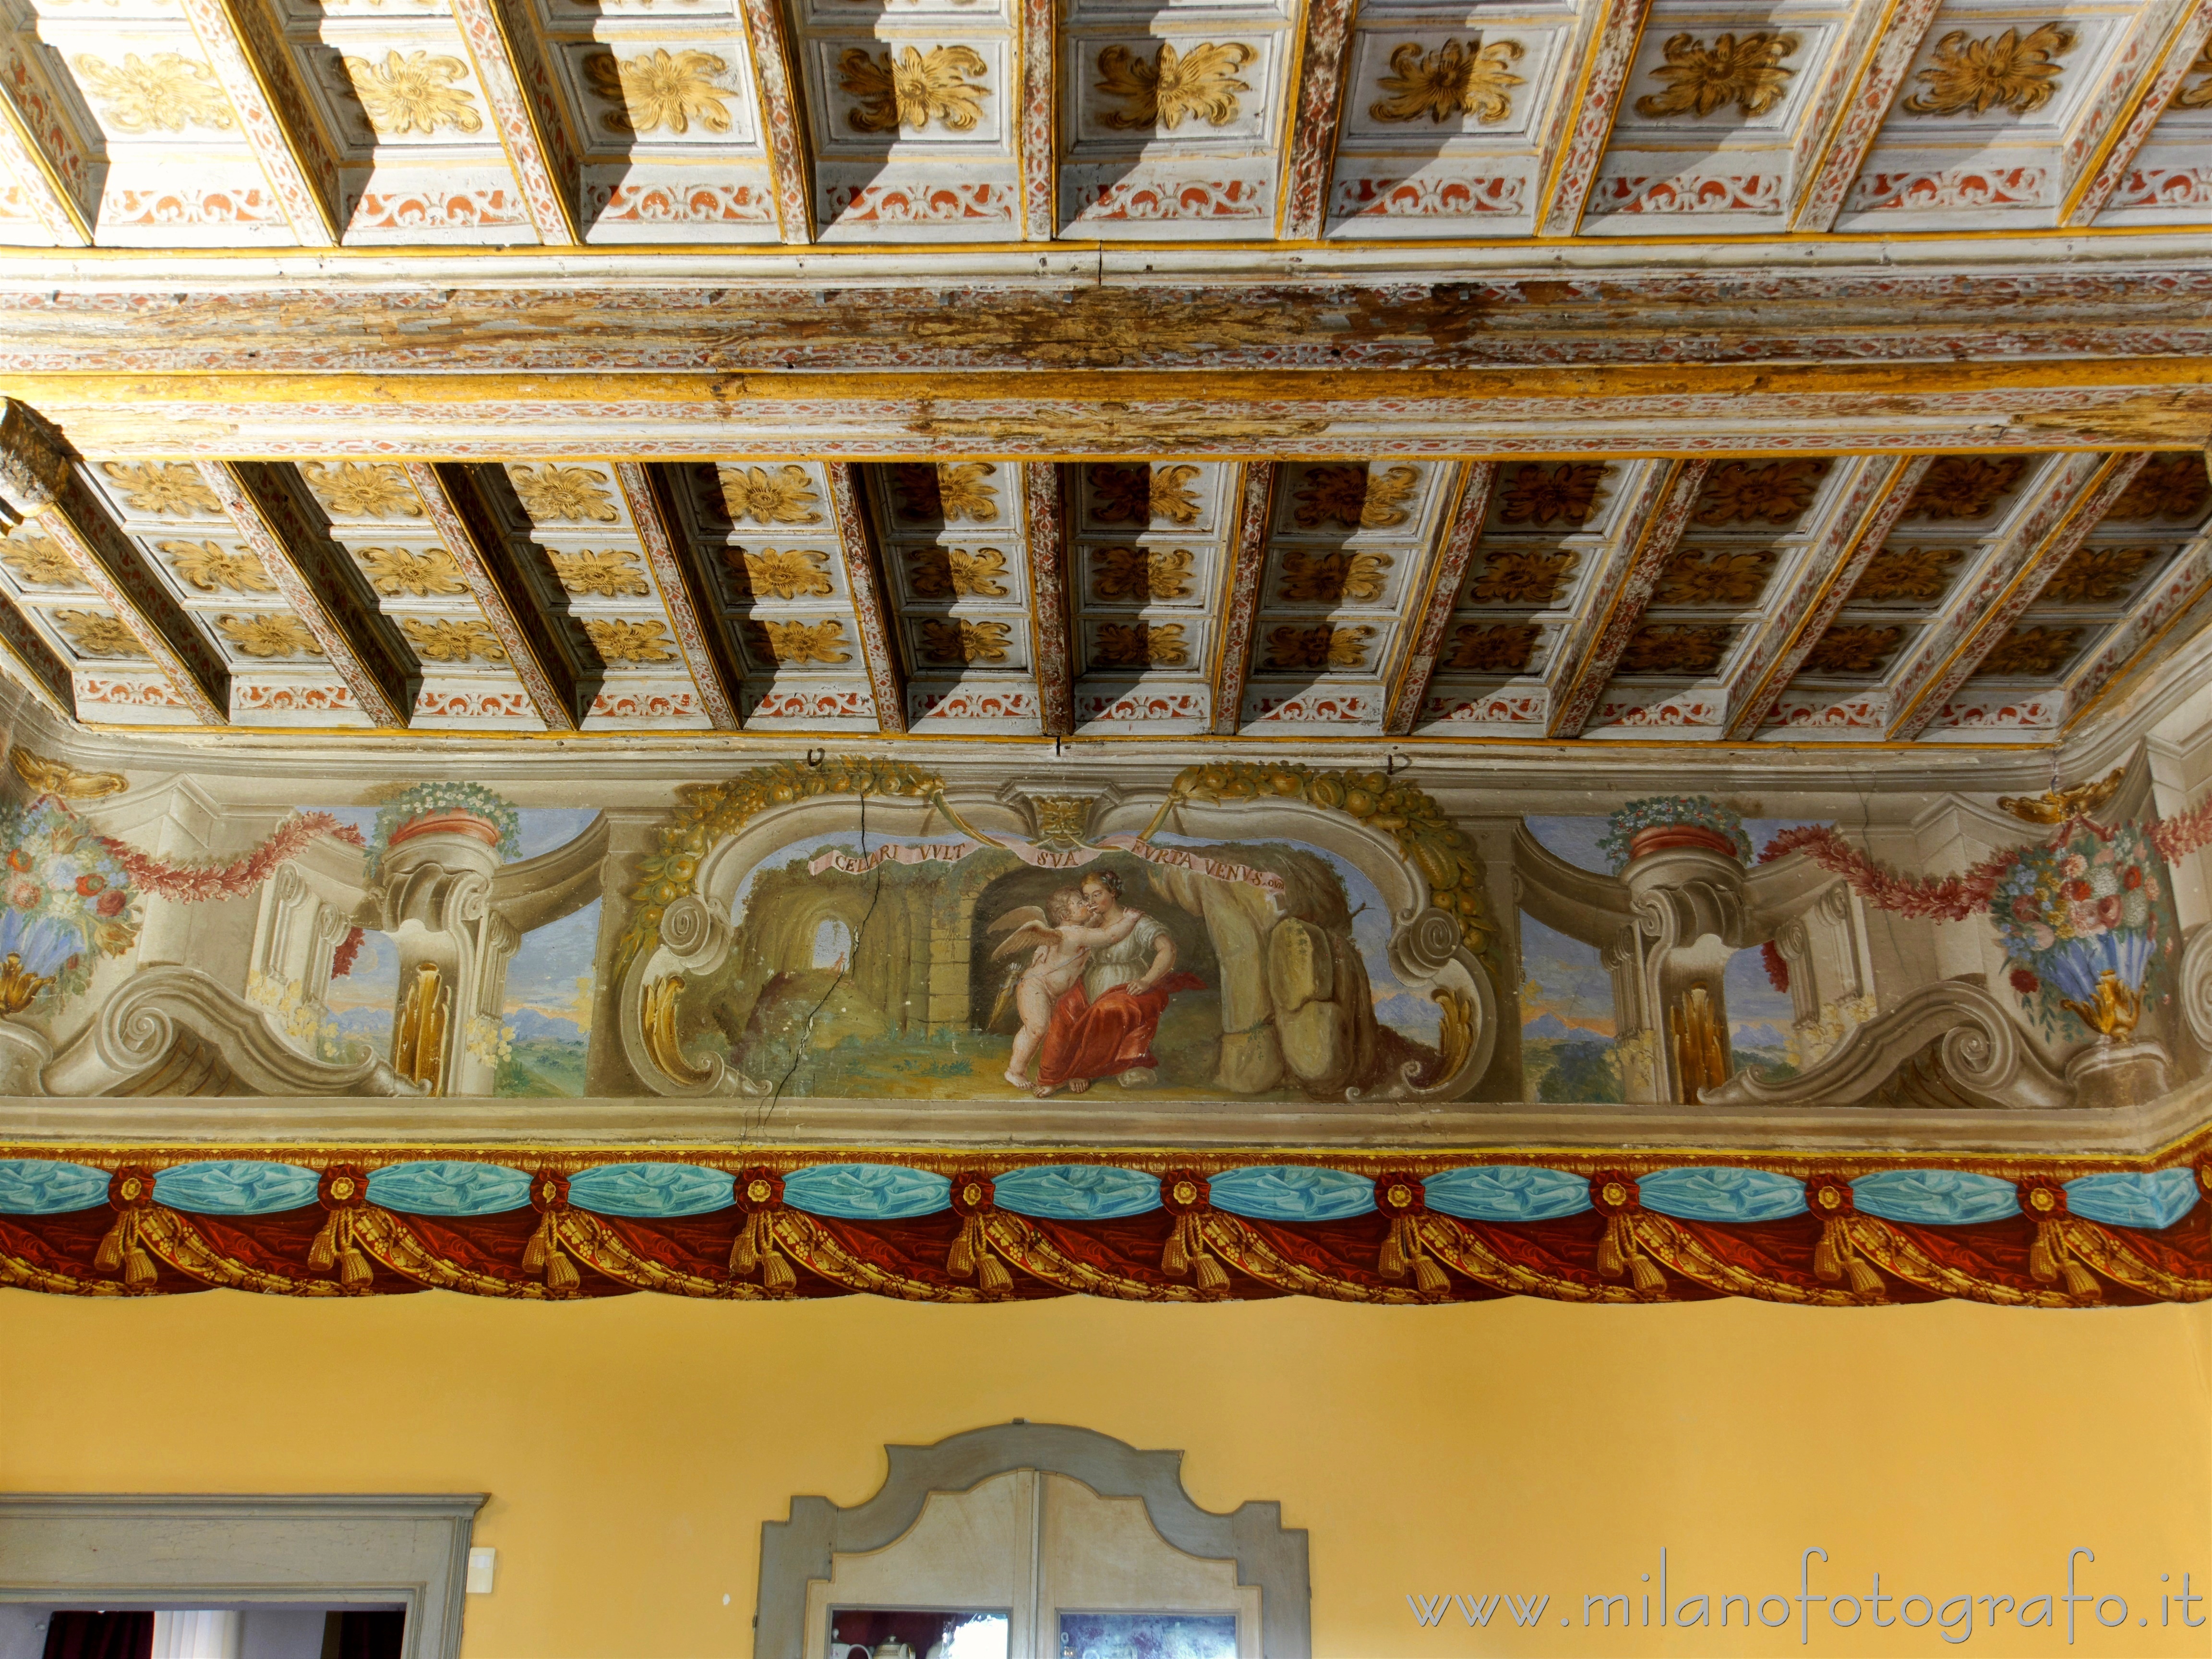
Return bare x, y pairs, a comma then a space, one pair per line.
1059, 943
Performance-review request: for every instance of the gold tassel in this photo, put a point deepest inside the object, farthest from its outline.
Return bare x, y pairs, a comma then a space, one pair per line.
995, 1279
1610, 1258
1392, 1263
353, 1273
775, 1272
1210, 1275
559, 1275
1647, 1277
1828, 1255
1865, 1280
1427, 1276
1175, 1259
966, 1247
2041, 1260
324, 1251
744, 1255
2080, 1281
109, 1256
541, 1243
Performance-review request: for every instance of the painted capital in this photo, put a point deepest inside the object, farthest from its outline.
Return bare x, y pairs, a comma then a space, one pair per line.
33, 461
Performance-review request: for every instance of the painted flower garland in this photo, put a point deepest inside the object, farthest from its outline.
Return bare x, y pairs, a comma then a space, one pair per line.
1669, 812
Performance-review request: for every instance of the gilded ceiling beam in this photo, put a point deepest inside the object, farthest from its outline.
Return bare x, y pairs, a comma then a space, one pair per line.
321, 585
558, 683
261, 78
40, 148
1873, 498
1248, 563
684, 593
37, 480
2070, 507
1821, 177
1607, 53
1044, 523
1586, 658
1316, 118
1446, 574
783, 123
533, 127
871, 610
2139, 86
32, 663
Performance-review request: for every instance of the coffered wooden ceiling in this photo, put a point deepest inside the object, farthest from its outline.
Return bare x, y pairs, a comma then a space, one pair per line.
356, 124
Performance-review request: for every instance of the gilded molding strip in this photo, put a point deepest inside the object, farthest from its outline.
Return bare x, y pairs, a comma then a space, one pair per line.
2088, 190
684, 594
1248, 561
886, 682
34, 663
1037, 119
1045, 530
1590, 666
1848, 62
782, 122
261, 79
1447, 573
1309, 156
1592, 109
1832, 568
532, 129
2009, 585
466, 528
312, 575
1843, 156
40, 150
2125, 82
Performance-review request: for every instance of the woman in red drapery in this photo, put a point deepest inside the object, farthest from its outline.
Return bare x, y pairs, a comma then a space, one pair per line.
1103, 1025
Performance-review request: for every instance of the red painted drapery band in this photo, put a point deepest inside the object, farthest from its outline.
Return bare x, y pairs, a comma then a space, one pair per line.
760, 1195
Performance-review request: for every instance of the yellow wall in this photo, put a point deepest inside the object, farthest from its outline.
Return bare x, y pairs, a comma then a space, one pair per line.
632, 1447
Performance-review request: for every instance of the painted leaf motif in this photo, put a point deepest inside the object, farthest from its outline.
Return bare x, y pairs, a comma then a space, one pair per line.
1330, 577
1521, 576
1898, 574
436, 639
795, 643
754, 493
1453, 80
1858, 648
1141, 645
1964, 487
395, 570
1142, 495
1657, 648
2171, 486
1772, 492
263, 636
956, 639
362, 489
165, 488
1320, 647
98, 634
2009, 71
912, 88
2029, 652
1356, 497
612, 573
964, 572
164, 91
661, 91
794, 573
629, 641
207, 567
2099, 575
413, 93
38, 560
1496, 648
1135, 576
1174, 86
951, 493
1698, 79
552, 494
1697, 577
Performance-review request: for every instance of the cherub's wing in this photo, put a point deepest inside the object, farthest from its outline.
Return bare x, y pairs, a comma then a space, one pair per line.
1027, 936
1015, 918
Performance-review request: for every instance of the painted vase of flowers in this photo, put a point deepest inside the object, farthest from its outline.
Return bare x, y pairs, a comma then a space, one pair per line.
1659, 823
448, 808
65, 902
2080, 920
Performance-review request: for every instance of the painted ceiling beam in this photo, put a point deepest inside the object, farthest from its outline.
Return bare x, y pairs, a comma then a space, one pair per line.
1821, 188
1605, 56
1045, 524
2174, 603
1461, 531
37, 480
1592, 648
559, 686
1871, 502
870, 609
318, 580
2070, 507
1316, 118
684, 593
525, 108
261, 78
32, 663
2091, 173
1037, 118
40, 146
775, 80
1248, 563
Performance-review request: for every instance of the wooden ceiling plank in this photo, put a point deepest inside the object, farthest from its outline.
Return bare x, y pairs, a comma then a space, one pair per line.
685, 593
2073, 504
871, 610
2094, 162
39, 148
1248, 563
37, 479
1821, 188
1586, 658
1576, 147
1316, 118
1037, 118
551, 679
1874, 501
1044, 522
261, 78
526, 107
318, 583
1446, 574
783, 124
